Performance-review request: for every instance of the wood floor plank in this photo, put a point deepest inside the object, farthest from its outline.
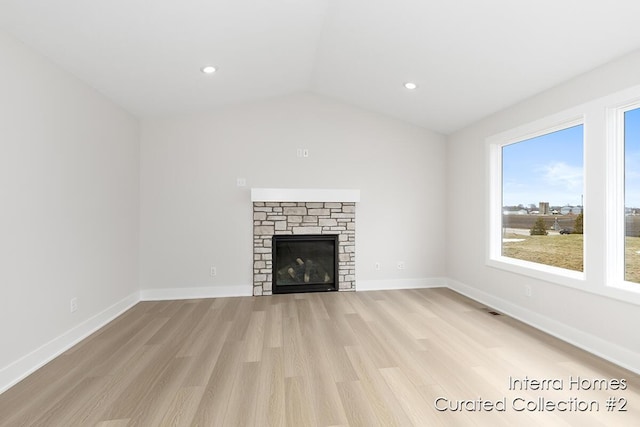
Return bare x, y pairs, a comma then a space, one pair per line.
215, 399
357, 408
120, 352
243, 396
416, 406
375, 346
182, 407
273, 326
270, 399
112, 386
160, 393
320, 380
323, 359
385, 405
295, 358
113, 423
254, 337
205, 360
205, 324
298, 411
129, 398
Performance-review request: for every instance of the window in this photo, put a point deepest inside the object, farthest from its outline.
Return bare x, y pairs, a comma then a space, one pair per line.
623, 202
542, 192
632, 195
536, 182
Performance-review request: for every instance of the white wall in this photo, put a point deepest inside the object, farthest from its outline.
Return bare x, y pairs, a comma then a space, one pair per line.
603, 325
193, 215
69, 190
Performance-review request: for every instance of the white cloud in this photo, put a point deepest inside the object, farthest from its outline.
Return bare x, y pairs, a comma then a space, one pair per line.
556, 182
563, 176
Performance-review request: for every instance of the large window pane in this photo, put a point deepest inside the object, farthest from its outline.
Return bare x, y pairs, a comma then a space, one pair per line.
542, 199
632, 194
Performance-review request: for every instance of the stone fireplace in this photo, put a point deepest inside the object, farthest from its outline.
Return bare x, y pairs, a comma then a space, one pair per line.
309, 213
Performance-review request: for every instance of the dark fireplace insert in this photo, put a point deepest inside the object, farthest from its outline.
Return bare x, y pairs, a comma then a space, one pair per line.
305, 263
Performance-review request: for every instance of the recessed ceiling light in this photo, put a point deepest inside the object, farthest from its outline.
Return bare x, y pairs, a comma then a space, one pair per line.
209, 69
410, 85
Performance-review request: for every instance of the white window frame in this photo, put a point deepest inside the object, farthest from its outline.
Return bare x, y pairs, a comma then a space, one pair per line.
615, 211
494, 232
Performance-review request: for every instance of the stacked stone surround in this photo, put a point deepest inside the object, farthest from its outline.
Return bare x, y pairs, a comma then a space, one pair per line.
271, 218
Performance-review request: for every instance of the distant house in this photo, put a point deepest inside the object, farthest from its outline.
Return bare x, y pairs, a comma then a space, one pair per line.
566, 210
570, 210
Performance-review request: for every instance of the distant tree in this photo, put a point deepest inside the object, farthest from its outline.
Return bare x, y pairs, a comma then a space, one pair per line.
578, 225
539, 228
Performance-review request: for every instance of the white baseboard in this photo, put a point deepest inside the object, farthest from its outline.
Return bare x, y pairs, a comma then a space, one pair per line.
614, 353
195, 293
388, 284
23, 367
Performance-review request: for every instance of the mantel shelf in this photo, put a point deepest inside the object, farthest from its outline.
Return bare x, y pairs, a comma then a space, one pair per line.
304, 195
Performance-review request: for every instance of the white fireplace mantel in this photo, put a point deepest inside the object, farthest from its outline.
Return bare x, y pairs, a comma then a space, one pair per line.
304, 195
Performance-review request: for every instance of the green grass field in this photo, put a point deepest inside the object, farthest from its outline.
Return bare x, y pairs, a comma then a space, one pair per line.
567, 252
632, 259
564, 251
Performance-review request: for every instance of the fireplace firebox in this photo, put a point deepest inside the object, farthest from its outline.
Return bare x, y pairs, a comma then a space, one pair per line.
305, 263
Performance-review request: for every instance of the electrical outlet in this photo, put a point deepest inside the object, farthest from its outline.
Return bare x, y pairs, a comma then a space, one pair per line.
305, 152
213, 272
299, 152
527, 290
241, 182
73, 306
400, 265
377, 266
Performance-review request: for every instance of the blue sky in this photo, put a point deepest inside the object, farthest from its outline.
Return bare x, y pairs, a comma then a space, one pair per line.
632, 158
548, 168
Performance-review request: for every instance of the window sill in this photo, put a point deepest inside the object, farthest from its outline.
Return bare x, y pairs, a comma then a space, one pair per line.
561, 276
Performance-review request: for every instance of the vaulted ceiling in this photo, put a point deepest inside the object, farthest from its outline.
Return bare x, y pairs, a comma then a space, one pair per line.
469, 58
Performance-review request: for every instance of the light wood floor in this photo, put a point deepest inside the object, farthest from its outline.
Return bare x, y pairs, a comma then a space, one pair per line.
323, 359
